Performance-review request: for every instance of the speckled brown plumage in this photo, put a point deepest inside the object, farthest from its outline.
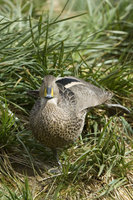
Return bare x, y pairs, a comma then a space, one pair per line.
57, 118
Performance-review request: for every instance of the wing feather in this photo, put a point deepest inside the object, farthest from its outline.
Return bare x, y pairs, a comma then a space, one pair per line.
86, 94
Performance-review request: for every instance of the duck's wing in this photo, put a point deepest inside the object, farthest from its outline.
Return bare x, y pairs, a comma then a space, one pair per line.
67, 98
86, 94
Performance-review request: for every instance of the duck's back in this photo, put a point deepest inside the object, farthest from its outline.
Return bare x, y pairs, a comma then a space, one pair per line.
84, 94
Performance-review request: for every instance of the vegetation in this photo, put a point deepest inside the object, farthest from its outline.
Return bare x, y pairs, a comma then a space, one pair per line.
91, 40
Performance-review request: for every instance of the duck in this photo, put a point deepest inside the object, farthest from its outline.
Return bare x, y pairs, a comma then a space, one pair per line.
58, 116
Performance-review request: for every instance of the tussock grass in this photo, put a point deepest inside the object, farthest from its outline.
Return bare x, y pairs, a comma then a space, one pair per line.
89, 40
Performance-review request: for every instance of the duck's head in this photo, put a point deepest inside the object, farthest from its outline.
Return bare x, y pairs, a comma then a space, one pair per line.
49, 88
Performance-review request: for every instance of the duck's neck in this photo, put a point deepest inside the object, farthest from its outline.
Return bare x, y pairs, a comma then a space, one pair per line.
52, 101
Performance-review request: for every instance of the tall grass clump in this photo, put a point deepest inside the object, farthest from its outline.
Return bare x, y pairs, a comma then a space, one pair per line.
91, 40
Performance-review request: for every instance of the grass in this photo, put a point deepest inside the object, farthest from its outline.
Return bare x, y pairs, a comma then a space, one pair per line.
94, 42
